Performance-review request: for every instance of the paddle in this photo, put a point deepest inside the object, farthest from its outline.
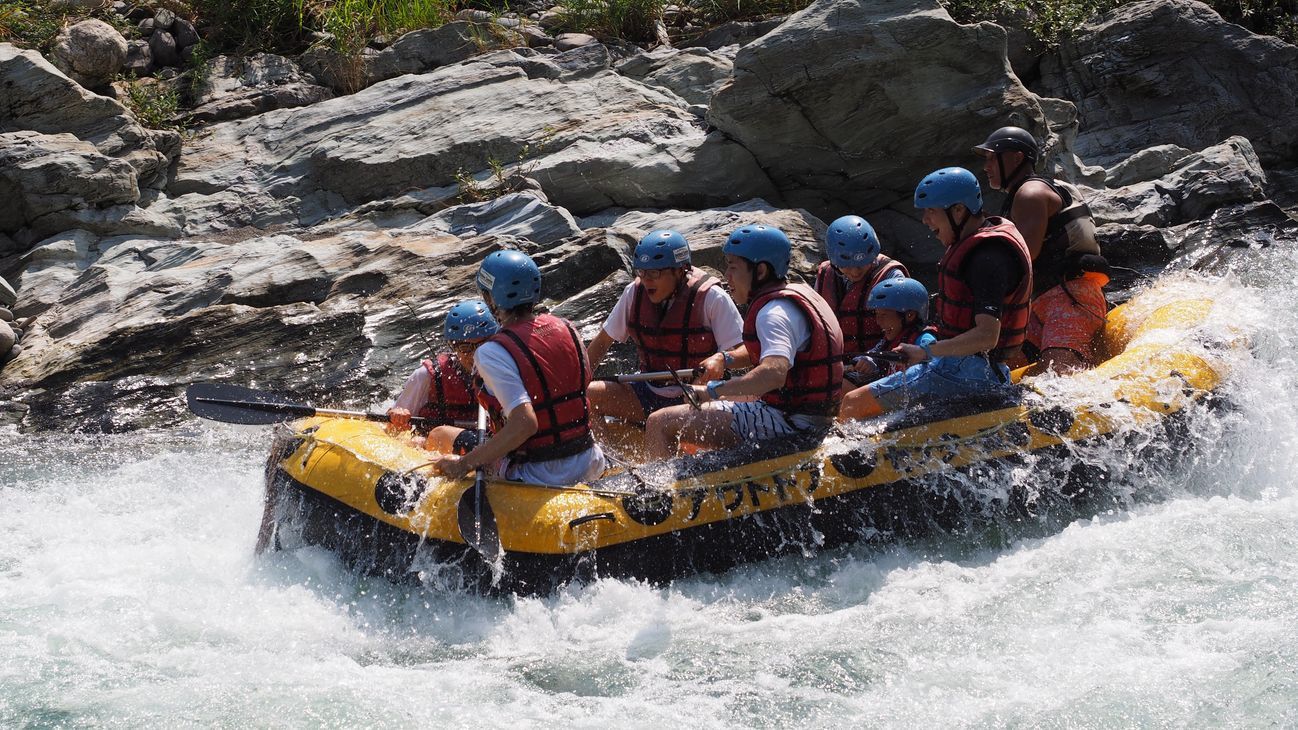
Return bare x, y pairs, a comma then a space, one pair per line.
477, 521
673, 375
234, 404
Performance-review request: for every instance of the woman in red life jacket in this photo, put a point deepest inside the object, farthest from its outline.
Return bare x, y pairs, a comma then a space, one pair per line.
441, 388
854, 268
793, 343
984, 283
900, 308
534, 375
676, 315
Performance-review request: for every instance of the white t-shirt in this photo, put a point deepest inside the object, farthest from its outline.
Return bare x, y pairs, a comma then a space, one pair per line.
502, 379
414, 394
782, 330
719, 315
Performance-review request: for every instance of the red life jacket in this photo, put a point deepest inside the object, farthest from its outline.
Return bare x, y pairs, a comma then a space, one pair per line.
675, 339
909, 335
816, 375
954, 307
451, 397
849, 301
552, 362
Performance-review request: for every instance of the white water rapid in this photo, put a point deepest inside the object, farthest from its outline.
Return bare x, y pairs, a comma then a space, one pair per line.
130, 597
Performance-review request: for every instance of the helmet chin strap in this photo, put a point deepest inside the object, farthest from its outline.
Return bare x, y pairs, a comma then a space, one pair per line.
1008, 180
956, 229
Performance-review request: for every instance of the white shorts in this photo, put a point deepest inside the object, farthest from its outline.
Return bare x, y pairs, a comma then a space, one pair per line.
758, 420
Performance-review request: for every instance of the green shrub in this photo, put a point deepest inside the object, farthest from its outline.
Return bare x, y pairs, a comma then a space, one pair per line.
253, 25
720, 11
352, 23
631, 20
154, 104
34, 24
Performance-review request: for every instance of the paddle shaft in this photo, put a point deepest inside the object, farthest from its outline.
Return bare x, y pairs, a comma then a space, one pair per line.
300, 410
652, 377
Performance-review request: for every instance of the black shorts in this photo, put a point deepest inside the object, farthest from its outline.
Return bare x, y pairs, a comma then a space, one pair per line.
465, 442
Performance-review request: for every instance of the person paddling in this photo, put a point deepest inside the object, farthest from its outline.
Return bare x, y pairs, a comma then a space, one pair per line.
900, 308
441, 388
1059, 230
534, 374
854, 267
984, 283
677, 316
792, 340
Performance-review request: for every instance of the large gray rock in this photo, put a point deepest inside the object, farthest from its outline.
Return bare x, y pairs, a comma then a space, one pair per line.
7, 294
693, 74
91, 52
44, 175
1173, 72
521, 215
1200, 183
592, 143
236, 87
848, 104
37, 97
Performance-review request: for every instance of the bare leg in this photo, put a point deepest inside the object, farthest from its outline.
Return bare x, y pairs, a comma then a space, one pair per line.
441, 438
616, 400
667, 428
859, 403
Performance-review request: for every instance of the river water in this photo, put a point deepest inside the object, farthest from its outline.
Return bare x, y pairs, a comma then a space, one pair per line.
130, 597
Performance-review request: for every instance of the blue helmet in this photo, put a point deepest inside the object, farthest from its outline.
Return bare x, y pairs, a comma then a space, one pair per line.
850, 241
948, 186
761, 244
899, 295
511, 277
662, 250
469, 320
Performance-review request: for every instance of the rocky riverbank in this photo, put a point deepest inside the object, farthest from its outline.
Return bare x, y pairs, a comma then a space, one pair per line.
290, 241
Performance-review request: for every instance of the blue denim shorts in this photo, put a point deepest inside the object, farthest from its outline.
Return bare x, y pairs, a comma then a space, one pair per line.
940, 378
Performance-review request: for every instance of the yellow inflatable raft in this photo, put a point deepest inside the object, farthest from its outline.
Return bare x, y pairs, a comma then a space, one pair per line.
348, 486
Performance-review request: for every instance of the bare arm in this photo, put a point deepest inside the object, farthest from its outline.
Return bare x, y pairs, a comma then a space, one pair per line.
986, 331
1033, 206
769, 374
714, 366
598, 348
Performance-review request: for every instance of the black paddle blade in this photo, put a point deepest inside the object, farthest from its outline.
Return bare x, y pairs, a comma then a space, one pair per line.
233, 404
478, 522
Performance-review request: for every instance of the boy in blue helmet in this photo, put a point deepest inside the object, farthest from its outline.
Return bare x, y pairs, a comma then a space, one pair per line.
441, 388
900, 309
535, 374
984, 283
676, 315
793, 343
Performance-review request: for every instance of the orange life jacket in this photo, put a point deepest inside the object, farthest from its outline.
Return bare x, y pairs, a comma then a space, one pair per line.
849, 301
954, 307
677, 338
816, 374
451, 397
552, 362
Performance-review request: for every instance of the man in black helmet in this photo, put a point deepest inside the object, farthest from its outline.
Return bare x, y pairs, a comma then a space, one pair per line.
1058, 228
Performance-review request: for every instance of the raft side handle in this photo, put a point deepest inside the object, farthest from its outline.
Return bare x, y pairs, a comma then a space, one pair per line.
592, 518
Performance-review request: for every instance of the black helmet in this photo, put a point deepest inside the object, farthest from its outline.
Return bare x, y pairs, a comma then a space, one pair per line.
1008, 139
